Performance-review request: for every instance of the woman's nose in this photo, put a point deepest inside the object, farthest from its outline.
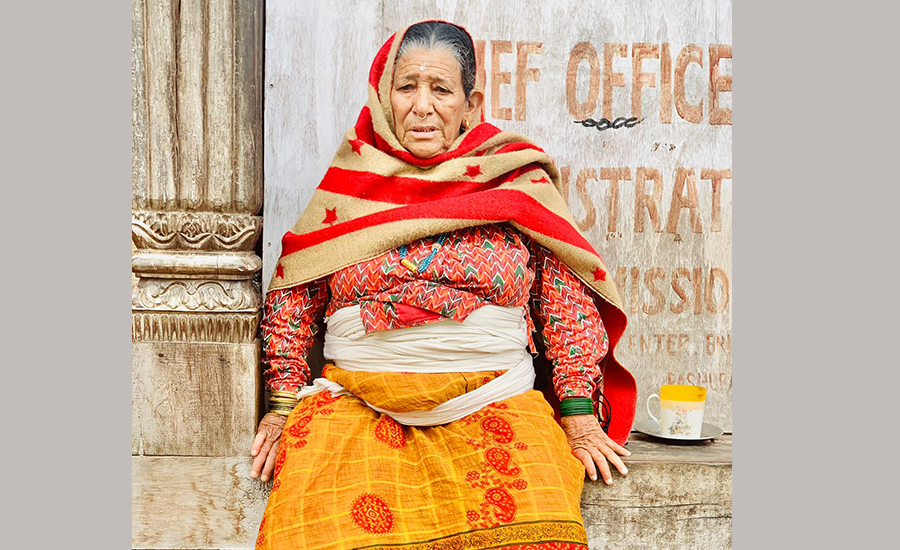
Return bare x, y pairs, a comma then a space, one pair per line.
422, 102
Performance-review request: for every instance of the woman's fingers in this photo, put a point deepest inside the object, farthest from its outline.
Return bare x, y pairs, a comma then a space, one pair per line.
270, 463
611, 455
618, 449
257, 443
592, 446
602, 464
260, 458
585, 459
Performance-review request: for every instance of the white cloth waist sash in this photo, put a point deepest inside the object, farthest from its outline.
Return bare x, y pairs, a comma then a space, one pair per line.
491, 338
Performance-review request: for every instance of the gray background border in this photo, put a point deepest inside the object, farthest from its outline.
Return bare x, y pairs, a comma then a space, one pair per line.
811, 146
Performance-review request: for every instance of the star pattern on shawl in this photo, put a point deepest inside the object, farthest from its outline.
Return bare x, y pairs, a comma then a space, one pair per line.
474, 170
356, 145
542, 180
599, 274
279, 271
330, 215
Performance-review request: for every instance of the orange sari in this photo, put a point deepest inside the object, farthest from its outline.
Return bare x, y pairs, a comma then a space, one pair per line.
347, 476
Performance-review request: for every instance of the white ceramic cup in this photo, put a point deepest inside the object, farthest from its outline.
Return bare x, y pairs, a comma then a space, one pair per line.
681, 410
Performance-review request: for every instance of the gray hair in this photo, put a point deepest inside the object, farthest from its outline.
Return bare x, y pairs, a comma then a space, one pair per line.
432, 35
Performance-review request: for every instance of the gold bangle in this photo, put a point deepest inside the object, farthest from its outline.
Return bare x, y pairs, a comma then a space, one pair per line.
283, 400
283, 404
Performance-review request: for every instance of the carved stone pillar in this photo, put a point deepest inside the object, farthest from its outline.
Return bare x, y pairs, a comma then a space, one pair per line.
197, 187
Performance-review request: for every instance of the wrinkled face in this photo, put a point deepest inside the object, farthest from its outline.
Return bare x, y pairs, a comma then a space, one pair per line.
429, 102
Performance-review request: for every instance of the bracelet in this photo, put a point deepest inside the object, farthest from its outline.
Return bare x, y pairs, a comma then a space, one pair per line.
274, 399
282, 402
572, 406
283, 409
286, 394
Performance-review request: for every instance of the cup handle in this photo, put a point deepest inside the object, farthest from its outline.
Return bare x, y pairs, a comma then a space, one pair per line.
648, 407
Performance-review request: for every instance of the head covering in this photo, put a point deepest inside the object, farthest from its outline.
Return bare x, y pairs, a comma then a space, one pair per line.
376, 196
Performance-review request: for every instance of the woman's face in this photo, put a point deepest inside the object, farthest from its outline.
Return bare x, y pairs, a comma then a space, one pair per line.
429, 102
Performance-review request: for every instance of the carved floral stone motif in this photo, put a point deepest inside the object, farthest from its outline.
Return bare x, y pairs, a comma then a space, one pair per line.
195, 230
236, 328
195, 295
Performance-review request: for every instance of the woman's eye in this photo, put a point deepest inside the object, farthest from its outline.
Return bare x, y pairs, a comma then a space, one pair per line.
443, 90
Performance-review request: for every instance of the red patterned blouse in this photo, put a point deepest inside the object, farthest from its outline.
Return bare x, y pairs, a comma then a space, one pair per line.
484, 264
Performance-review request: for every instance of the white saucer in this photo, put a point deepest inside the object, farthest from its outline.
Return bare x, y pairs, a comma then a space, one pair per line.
651, 428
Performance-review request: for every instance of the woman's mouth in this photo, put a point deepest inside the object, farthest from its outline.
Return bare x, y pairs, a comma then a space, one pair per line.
424, 132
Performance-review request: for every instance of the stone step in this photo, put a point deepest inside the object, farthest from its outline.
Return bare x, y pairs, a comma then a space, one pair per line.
674, 497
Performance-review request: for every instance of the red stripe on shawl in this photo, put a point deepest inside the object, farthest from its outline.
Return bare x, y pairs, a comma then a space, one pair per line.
405, 190
364, 129
489, 206
379, 63
517, 146
477, 136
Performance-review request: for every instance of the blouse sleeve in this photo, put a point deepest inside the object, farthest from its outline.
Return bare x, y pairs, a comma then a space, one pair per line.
287, 331
573, 334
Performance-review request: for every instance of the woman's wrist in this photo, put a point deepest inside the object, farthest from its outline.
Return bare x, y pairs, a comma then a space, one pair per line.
572, 406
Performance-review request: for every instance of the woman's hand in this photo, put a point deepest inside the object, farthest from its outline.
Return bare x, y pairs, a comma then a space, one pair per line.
590, 444
265, 445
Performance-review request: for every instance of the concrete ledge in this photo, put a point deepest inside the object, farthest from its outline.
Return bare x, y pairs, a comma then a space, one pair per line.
192, 502
675, 497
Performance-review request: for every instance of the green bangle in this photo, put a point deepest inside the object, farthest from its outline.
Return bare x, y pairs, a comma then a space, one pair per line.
576, 405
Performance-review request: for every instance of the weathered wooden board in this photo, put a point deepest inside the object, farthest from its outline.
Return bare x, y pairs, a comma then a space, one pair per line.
317, 61
653, 197
140, 176
196, 125
686, 506
195, 502
674, 497
197, 399
645, 450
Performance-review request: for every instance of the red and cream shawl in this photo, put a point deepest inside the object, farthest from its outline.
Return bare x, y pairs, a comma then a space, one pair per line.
377, 196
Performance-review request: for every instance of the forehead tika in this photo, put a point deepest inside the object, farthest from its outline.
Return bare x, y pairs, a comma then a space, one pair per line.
436, 72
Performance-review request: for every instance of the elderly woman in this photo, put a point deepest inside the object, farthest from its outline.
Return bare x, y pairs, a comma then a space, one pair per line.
434, 246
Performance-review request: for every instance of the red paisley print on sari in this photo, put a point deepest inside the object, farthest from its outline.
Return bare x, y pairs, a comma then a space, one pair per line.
498, 473
390, 432
372, 514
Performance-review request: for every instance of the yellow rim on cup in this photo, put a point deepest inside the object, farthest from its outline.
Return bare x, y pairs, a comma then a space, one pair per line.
677, 392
